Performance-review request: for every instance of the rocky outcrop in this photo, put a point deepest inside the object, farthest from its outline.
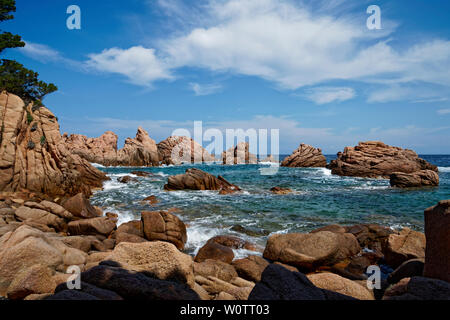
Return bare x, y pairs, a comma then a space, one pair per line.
422, 178
309, 251
140, 151
177, 150
280, 190
437, 253
196, 179
34, 156
240, 154
305, 156
375, 159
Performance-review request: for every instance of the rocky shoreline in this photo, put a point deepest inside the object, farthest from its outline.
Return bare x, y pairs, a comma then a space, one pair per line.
48, 226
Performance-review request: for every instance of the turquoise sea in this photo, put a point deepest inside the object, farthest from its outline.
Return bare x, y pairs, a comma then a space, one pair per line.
319, 199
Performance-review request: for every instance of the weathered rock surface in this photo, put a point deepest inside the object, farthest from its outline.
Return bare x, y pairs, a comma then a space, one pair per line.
131, 231
407, 269
335, 283
36, 279
94, 226
278, 283
251, 268
164, 226
196, 179
308, 251
177, 150
240, 154
422, 178
140, 151
375, 159
406, 245
80, 207
158, 259
215, 251
215, 268
437, 255
305, 156
34, 156
418, 288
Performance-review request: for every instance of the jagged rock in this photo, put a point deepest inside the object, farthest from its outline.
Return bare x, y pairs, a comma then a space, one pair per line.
335, 283
437, 255
422, 178
94, 226
309, 251
280, 190
158, 259
406, 245
278, 283
375, 159
418, 288
140, 151
42, 217
80, 207
239, 154
49, 168
373, 237
250, 268
164, 226
177, 150
305, 156
196, 179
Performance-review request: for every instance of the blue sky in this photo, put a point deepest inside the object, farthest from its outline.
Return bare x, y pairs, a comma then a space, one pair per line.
309, 68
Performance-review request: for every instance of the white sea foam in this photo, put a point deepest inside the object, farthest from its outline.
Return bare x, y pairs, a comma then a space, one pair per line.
325, 171
112, 184
97, 165
198, 235
444, 169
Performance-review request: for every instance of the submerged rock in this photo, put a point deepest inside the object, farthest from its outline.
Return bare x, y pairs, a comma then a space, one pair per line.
280, 190
305, 156
375, 159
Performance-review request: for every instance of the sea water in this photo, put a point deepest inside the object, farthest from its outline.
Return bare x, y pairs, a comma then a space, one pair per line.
318, 199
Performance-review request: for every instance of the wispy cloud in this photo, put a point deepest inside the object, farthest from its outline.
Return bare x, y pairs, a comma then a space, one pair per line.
443, 111
204, 89
46, 54
323, 95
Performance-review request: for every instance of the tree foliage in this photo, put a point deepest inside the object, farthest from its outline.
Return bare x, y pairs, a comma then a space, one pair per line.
14, 77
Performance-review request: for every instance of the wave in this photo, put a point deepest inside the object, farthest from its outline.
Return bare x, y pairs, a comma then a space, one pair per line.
444, 169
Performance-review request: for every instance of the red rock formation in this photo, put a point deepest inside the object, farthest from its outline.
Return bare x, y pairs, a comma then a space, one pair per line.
416, 179
176, 150
305, 156
34, 156
140, 151
239, 154
375, 159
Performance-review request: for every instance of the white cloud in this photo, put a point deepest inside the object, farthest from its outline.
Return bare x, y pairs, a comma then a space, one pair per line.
323, 95
204, 89
140, 65
443, 111
45, 54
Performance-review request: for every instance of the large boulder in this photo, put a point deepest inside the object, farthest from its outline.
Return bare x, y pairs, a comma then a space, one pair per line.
215, 268
27, 247
407, 269
161, 260
309, 251
251, 267
95, 226
278, 283
42, 217
37, 279
305, 156
418, 288
140, 151
375, 159
164, 226
131, 231
80, 207
437, 254
177, 150
406, 245
215, 251
196, 179
336, 283
34, 156
422, 178
240, 154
